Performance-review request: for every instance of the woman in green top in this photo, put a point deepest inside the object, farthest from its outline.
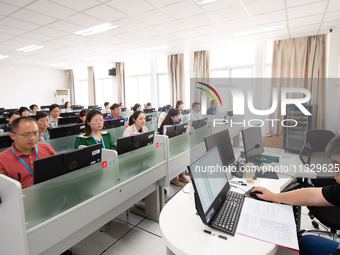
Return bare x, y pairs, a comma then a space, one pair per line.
93, 132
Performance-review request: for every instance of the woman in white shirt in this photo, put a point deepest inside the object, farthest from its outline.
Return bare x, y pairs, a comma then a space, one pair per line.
163, 114
136, 124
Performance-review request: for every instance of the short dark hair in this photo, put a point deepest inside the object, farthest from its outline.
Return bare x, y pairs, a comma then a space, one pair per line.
106, 103
167, 107
135, 107
212, 102
167, 120
89, 116
16, 122
22, 109
54, 106
32, 106
12, 113
333, 147
40, 115
179, 102
148, 104
194, 104
114, 106
134, 116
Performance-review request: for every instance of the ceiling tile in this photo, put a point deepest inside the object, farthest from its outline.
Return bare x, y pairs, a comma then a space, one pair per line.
33, 17
302, 29
37, 37
131, 7
185, 34
218, 5
264, 6
75, 5
130, 23
19, 3
50, 32
154, 17
15, 23
332, 24
151, 31
306, 10
131, 36
7, 9
4, 36
65, 26
294, 3
172, 26
334, 5
269, 17
83, 20
210, 29
182, 9
315, 19
238, 24
198, 20
236, 12
50, 9
105, 13
10, 30
160, 3
275, 34
332, 16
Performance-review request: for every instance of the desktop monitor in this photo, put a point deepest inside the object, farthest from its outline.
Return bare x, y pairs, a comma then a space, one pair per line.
134, 142
5, 141
252, 143
114, 123
199, 123
58, 132
185, 112
54, 166
77, 107
176, 130
222, 141
151, 110
67, 120
3, 120
148, 118
124, 109
69, 114
45, 107
160, 109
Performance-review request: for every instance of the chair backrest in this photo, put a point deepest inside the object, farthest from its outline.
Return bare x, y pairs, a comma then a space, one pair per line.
317, 140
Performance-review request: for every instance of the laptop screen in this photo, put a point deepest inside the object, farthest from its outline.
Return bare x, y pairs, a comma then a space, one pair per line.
209, 181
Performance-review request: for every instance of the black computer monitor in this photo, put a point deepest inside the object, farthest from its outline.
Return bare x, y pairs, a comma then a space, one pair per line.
160, 109
5, 112
222, 141
77, 107
3, 120
114, 123
54, 166
67, 120
186, 111
175, 130
199, 123
134, 142
124, 109
5, 141
69, 114
148, 118
105, 114
45, 106
252, 143
94, 107
149, 110
58, 132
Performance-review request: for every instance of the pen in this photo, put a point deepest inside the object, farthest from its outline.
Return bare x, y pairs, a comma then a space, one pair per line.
238, 182
214, 234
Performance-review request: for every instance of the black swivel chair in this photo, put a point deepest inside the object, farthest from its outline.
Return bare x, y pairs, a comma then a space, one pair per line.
313, 152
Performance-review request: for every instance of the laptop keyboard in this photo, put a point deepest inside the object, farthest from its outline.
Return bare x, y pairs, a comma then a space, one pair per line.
229, 213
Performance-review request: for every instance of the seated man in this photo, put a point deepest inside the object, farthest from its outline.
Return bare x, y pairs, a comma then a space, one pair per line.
319, 196
115, 111
195, 114
54, 115
212, 110
17, 161
10, 118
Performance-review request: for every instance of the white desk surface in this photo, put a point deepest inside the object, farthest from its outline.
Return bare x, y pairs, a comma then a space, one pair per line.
182, 229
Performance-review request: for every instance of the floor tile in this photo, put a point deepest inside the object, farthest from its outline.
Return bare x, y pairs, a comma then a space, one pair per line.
138, 242
151, 226
284, 251
131, 218
99, 241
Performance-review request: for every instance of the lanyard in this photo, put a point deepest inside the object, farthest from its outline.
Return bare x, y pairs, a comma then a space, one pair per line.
196, 115
46, 135
101, 141
23, 162
111, 117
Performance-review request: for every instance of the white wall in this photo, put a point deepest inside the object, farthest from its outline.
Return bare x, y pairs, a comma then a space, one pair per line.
23, 86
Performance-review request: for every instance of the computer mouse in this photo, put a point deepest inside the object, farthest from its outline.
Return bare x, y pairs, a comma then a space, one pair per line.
253, 194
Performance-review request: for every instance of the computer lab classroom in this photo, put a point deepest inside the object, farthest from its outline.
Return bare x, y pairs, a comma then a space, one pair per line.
249, 84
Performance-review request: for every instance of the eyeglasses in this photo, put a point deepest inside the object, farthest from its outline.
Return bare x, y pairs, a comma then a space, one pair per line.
28, 135
98, 120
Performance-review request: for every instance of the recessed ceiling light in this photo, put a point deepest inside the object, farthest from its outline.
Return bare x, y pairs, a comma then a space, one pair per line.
3, 56
202, 2
96, 29
30, 48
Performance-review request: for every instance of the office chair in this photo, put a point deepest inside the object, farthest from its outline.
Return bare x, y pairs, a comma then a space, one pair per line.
314, 148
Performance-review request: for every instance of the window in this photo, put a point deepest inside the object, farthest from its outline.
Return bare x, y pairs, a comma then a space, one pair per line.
105, 91
163, 89
138, 90
81, 92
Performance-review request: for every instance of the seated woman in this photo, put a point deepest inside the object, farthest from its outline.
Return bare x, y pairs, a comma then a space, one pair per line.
42, 119
173, 118
24, 111
163, 114
34, 108
136, 107
94, 133
82, 116
67, 106
136, 124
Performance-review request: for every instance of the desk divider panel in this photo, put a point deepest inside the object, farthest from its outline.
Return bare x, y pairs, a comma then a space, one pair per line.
117, 132
63, 144
152, 125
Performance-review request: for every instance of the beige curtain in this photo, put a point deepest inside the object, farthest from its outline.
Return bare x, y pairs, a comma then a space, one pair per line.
70, 85
120, 72
176, 77
91, 85
304, 59
201, 73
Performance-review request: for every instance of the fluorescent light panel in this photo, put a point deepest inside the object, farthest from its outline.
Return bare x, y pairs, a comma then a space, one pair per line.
96, 29
30, 48
3, 56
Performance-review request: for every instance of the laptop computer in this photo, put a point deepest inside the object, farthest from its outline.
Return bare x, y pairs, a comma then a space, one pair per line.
216, 204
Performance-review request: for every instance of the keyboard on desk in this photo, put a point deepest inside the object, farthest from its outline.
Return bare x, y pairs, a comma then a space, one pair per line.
229, 213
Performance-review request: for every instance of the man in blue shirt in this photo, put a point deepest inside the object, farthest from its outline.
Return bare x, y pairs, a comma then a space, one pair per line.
212, 109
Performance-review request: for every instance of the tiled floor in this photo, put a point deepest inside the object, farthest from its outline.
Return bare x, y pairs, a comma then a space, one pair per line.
132, 234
